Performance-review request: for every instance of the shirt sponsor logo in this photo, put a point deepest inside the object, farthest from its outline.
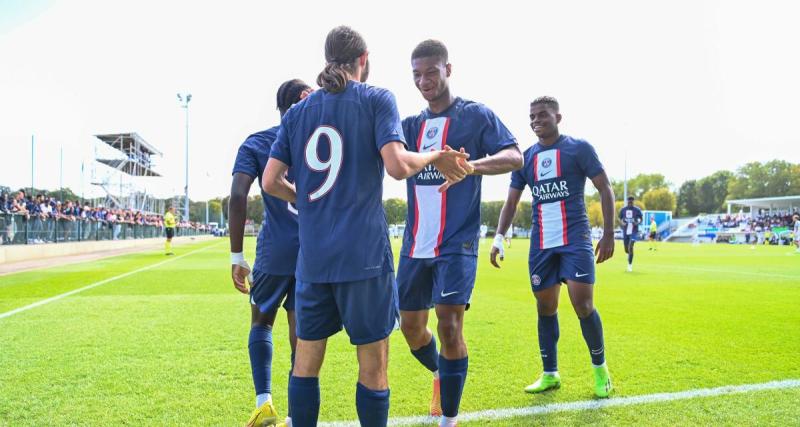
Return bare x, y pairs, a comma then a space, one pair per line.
550, 190
430, 173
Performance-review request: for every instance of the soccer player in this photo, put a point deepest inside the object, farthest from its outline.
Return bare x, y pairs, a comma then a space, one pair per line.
272, 280
338, 140
630, 216
653, 234
556, 168
440, 246
796, 233
169, 228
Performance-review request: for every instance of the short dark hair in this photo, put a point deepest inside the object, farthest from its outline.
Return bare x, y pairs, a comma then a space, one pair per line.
430, 48
343, 46
289, 94
547, 101
630, 198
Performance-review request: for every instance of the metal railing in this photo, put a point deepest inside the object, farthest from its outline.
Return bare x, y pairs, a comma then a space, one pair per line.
16, 229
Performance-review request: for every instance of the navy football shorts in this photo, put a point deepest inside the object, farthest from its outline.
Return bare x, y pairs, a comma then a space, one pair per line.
447, 279
367, 309
549, 267
268, 291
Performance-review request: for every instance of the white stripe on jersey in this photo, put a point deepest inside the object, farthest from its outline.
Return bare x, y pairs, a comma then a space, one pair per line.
430, 203
553, 215
552, 225
429, 221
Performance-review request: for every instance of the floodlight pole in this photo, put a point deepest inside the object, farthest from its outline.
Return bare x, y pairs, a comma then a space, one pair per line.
184, 100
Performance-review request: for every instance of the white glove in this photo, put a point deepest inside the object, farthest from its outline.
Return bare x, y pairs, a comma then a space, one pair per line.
237, 258
498, 243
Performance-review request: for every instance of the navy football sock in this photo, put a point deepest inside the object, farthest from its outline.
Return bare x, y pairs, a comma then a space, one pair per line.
304, 401
289, 409
548, 342
630, 255
592, 329
260, 347
372, 406
428, 355
452, 375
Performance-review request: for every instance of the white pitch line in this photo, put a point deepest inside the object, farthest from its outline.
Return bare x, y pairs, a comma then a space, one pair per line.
587, 405
96, 284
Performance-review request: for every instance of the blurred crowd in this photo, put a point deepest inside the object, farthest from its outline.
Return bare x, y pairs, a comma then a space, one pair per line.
45, 207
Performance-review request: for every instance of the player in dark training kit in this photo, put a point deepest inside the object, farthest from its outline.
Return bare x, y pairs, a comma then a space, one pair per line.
272, 280
440, 246
337, 141
630, 217
556, 169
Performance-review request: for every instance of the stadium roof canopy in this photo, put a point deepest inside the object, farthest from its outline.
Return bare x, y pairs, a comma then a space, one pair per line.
771, 203
138, 154
128, 142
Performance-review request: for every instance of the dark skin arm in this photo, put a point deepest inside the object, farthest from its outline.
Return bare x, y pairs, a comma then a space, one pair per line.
506, 216
605, 247
506, 160
237, 212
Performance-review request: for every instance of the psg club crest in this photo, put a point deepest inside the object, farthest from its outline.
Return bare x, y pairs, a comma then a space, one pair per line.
536, 280
432, 132
547, 162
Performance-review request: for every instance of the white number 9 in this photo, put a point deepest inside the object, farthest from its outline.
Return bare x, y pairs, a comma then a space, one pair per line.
331, 166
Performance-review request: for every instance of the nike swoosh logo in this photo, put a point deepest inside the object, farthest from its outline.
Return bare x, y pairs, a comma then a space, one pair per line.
425, 147
581, 275
543, 174
448, 294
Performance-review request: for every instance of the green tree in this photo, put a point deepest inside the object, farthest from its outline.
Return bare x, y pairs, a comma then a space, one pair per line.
522, 219
687, 203
771, 179
659, 199
395, 210
595, 212
712, 191
490, 212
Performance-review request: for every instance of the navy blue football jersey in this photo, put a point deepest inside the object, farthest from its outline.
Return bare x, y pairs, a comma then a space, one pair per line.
278, 243
333, 142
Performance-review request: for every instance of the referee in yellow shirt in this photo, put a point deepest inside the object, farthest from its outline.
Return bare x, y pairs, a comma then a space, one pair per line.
169, 227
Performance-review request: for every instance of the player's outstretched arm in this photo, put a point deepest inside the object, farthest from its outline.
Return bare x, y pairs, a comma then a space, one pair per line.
506, 216
506, 160
401, 163
274, 181
237, 212
605, 247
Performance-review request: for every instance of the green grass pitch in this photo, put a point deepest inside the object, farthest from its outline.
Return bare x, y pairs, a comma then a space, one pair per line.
168, 345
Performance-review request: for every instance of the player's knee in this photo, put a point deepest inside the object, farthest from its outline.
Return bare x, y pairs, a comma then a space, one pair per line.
412, 330
583, 308
546, 308
449, 332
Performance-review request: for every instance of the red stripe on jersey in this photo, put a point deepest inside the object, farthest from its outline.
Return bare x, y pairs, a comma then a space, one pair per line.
558, 167
535, 162
419, 136
564, 217
416, 225
442, 221
443, 218
541, 230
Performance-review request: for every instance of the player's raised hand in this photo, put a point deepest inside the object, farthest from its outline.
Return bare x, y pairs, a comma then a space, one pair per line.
240, 273
497, 249
605, 248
